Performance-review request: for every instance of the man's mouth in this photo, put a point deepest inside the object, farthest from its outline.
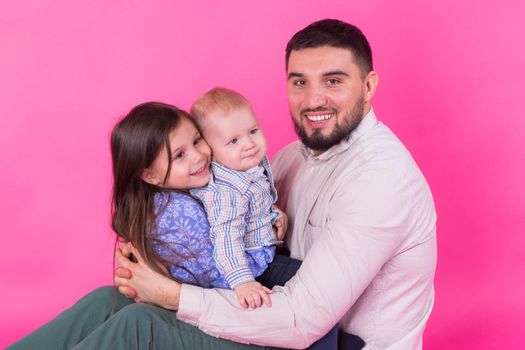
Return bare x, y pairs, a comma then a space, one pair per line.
319, 117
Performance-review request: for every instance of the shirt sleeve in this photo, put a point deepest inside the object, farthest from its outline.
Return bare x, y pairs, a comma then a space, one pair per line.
226, 212
365, 226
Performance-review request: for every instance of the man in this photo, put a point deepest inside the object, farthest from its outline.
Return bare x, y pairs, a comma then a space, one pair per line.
362, 219
361, 214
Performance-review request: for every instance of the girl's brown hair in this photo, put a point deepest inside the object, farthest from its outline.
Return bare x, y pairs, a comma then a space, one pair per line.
136, 141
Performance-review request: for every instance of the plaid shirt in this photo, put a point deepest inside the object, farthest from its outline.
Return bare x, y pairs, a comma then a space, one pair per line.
239, 209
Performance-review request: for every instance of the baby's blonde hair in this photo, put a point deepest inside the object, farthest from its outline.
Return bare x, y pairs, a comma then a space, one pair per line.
217, 99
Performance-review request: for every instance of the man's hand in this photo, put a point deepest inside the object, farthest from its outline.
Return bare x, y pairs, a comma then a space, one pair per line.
252, 294
122, 272
281, 224
140, 282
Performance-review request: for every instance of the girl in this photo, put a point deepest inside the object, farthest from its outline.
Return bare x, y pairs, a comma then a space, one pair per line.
158, 154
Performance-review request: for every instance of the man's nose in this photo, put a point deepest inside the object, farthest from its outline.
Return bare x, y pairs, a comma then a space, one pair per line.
315, 97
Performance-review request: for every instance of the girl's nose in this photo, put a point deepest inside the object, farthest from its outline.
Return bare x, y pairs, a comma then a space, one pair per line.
198, 156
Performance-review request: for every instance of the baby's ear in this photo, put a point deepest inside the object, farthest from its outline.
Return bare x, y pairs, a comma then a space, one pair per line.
150, 177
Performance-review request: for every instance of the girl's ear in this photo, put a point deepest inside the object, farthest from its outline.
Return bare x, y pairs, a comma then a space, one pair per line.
150, 177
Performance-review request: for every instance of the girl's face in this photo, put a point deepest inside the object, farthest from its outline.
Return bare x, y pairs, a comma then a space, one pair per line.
190, 160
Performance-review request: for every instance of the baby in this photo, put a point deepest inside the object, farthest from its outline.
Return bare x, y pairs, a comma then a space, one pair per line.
239, 197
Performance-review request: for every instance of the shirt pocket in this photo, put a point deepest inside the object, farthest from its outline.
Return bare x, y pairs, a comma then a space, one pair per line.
311, 234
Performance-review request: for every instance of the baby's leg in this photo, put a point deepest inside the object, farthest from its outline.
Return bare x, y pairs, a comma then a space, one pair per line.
279, 271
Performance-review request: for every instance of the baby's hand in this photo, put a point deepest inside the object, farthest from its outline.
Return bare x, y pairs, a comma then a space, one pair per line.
281, 224
252, 294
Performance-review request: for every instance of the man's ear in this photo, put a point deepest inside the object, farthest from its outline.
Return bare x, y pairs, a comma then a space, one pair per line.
150, 177
370, 85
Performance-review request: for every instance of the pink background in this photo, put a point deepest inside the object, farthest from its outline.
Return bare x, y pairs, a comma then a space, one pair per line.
451, 86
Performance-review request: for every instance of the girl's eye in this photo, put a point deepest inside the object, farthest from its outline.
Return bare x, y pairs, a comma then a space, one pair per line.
253, 131
178, 155
197, 140
233, 141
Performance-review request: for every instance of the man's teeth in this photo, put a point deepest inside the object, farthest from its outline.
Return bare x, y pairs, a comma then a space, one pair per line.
318, 118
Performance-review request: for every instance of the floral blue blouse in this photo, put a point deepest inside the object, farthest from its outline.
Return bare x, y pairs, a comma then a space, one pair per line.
182, 236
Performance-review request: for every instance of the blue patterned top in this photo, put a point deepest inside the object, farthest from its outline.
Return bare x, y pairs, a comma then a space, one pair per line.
182, 236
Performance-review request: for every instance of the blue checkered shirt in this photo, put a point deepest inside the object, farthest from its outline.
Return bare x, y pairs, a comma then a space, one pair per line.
239, 209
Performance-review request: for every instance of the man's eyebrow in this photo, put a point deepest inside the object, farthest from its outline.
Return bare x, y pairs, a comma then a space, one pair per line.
336, 72
295, 75
292, 75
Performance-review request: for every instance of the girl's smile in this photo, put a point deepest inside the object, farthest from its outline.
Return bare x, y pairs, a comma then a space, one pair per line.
188, 165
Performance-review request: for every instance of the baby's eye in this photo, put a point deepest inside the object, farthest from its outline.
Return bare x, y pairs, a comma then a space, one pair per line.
233, 141
253, 131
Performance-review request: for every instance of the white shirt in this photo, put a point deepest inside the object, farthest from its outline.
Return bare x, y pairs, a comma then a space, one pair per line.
363, 219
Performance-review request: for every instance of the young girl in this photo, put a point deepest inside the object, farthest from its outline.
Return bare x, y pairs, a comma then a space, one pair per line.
158, 154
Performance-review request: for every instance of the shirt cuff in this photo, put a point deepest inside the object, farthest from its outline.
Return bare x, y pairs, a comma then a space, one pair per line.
190, 304
238, 276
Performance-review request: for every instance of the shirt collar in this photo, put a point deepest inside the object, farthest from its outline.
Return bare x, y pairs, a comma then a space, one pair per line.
243, 178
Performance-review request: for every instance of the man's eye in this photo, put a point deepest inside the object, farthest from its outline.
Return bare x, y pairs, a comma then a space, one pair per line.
233, 141
299, 83
333, 81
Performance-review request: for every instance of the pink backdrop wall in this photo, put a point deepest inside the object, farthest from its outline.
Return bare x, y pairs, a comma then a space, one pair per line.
451, 86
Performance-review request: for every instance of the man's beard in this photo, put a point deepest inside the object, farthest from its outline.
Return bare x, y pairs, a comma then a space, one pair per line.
341, 132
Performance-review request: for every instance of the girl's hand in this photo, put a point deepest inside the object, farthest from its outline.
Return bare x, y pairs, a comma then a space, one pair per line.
281, 224
252, 294
139, 281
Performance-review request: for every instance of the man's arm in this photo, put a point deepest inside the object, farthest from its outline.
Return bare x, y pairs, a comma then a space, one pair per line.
363, 231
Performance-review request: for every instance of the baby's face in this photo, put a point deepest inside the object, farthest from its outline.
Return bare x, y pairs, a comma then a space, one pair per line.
236, 140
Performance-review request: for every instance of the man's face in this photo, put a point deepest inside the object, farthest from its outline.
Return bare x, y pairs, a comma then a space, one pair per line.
326, 95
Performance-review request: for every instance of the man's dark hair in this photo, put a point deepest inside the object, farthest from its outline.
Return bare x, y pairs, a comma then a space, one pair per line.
335, 33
